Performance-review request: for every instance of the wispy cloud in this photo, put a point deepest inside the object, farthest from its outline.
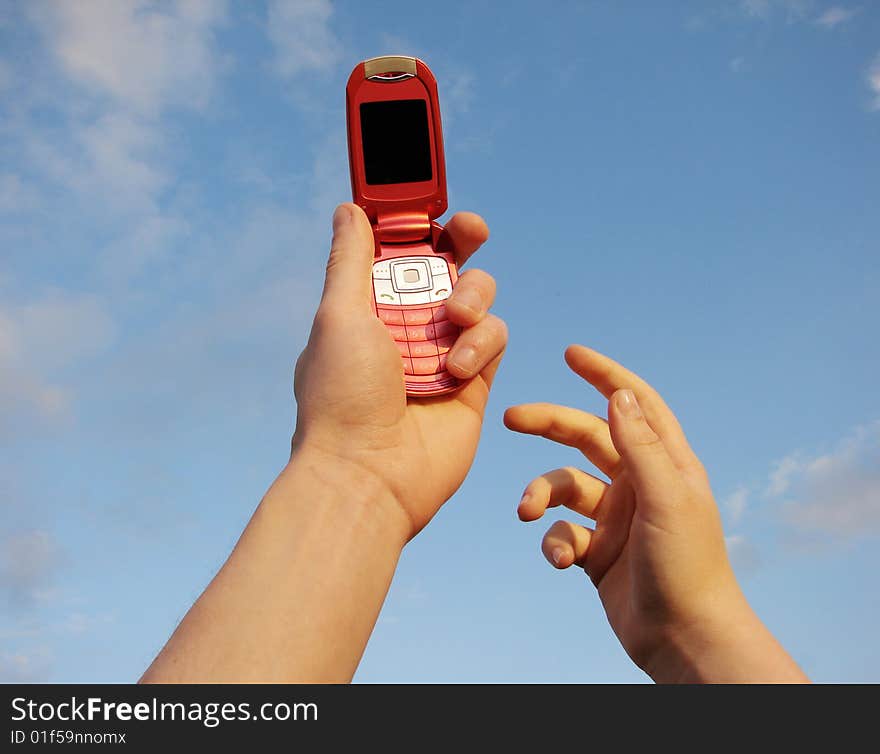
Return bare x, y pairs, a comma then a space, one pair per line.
873, 77
780, 477
738, 64
88, 139
834, 497
836, 494
5, 76
16, 195
145, 55
39, 339
789, 11
106, 167
793, 10
28, 564
107, 72
114, 157
834, 16
300, 33
30, 666
744, 555
736, 503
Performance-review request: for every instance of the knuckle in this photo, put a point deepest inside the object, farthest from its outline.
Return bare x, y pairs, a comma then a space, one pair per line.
646, 440
493, 330
585, 436
483, 279
537, 483
568, 476
489, 334
474, 275
479, 280
560, 530
557, 428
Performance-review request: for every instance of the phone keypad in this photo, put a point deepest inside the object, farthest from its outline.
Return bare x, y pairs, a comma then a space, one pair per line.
390, 315
425, 365
423, 334
420, 332
416, 317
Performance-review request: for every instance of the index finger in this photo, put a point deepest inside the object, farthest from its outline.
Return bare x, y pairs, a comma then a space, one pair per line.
463, 235
607, 376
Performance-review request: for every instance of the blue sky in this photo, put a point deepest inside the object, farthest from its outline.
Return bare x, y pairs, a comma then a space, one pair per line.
691, 187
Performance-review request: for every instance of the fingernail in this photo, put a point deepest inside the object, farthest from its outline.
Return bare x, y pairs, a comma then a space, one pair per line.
465, 359
524, 500
341, 217
469, 299
557, 556
628, 405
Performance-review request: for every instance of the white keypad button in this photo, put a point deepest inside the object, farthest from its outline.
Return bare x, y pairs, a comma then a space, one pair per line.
410, 275
420, 297
385, 293
382, 270
442, 287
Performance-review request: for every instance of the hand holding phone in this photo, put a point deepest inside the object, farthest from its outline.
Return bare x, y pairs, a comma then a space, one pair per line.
398, 177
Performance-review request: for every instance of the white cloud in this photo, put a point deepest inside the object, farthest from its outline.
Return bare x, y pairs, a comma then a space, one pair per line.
780, 476
6, 77
301, 35
123, 65
794, 10
834, 16
28, 563
99, 163
768, 11
16, 195
143, 54
42, 337
820, 498
115, 146
61, 327
112, 162
456, 94
396, 44
80, 623
836, 494
736, 503
758, 8
112, 157
25, 667
149, 240
874, 83
744, 556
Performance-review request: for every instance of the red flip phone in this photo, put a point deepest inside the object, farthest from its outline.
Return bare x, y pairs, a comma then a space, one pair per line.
398, 177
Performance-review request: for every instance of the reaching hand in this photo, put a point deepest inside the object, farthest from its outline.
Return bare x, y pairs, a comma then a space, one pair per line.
657, 552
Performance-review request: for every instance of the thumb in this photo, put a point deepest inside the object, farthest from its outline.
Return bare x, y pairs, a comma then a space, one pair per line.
644, 455
347, 281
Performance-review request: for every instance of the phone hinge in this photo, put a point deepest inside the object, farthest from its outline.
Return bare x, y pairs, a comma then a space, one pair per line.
397, 227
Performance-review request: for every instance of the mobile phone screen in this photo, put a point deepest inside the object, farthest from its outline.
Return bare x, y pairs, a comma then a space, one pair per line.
397, 145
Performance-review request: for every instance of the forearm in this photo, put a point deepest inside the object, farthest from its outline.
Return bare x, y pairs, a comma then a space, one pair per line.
300, 593
731, 646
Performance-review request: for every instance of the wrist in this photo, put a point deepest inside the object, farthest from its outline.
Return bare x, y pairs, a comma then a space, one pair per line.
342, 488
692, 646
728, 643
